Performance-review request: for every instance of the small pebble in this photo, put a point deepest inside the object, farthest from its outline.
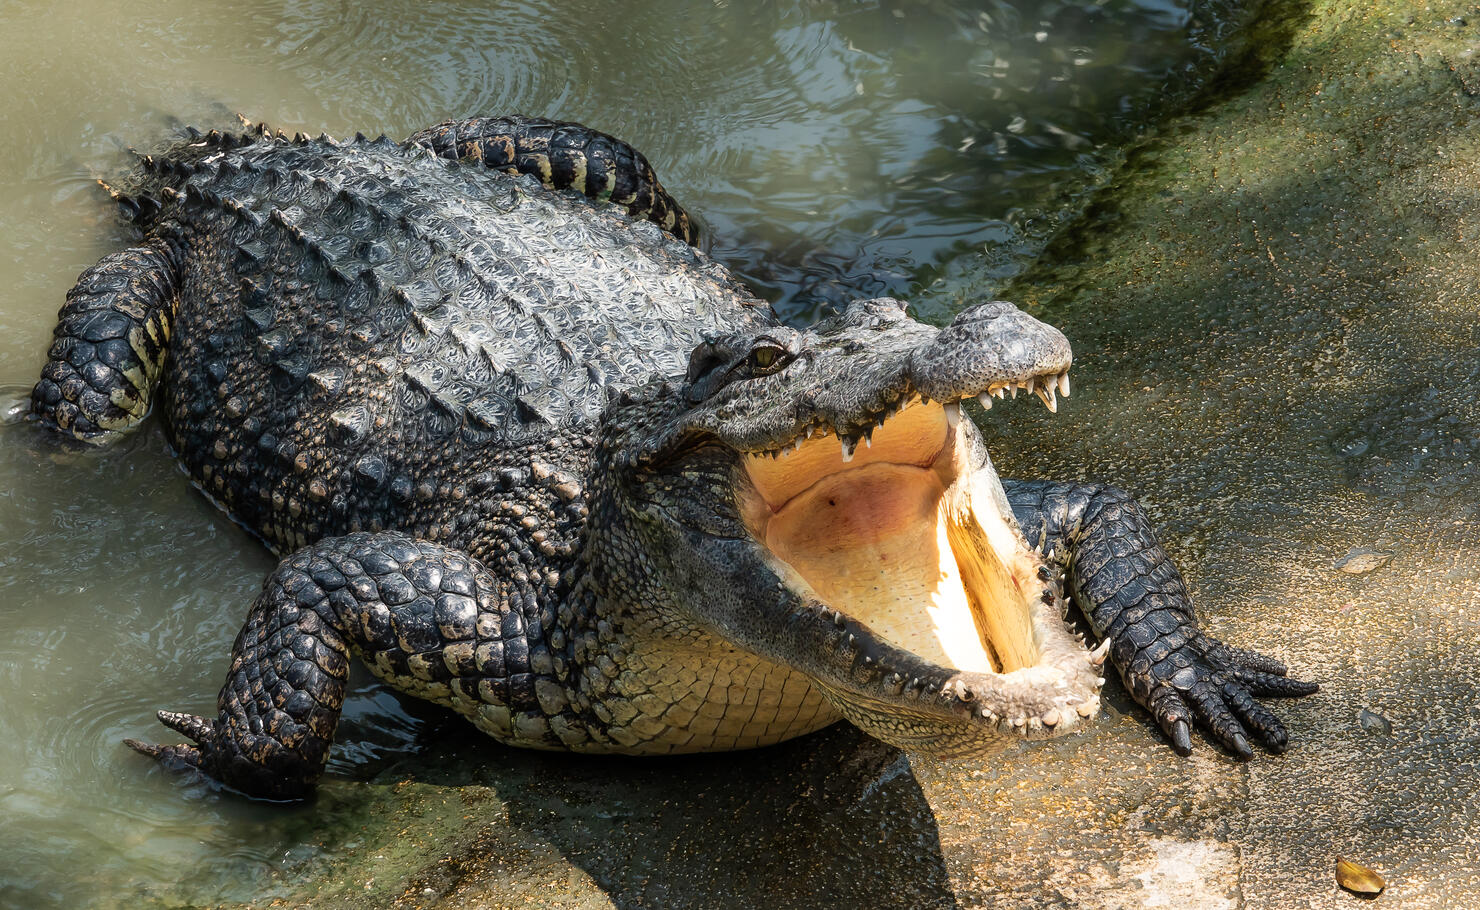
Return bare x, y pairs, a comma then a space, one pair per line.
1357, 878
1361, 560
1375, 723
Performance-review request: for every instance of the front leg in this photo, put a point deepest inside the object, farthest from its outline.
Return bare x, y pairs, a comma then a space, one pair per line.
1134, 597
426, 618
110, 345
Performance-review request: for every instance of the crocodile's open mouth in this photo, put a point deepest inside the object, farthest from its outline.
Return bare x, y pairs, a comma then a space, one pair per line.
908, 536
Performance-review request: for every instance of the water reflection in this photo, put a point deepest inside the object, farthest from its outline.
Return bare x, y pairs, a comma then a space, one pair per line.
901, 136
834, 149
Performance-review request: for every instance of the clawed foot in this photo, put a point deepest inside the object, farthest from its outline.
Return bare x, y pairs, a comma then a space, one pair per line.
200, 729
254, 766
259, 765
1212, 685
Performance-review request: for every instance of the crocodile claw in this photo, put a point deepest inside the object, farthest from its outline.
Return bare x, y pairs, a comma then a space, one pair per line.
200, 729
174, 755
197, 728
1181, 736
1272, 685
1215, 688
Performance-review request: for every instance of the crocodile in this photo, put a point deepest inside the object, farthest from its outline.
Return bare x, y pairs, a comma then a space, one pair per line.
529, 453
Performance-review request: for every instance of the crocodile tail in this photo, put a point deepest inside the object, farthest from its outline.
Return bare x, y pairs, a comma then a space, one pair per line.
563, 156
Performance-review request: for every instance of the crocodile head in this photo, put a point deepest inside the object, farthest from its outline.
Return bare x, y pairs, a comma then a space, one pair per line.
815, 496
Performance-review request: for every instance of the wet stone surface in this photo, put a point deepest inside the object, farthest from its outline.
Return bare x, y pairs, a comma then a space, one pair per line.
1274, 309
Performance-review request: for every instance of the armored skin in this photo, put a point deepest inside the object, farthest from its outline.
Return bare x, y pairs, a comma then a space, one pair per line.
530, 455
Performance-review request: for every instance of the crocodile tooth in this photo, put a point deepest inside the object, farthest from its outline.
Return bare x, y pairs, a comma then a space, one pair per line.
1097, 656
1014, 389
953, 414
985, 400
1050, 717
848, 446
1085, 709
1000, 391
1045, 393
868, 439
1064, 383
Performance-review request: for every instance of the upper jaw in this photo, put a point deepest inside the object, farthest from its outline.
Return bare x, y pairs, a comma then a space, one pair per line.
852, 372
854, 375
858, 430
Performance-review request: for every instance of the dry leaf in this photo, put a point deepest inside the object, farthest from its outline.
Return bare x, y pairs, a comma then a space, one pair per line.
1356, 877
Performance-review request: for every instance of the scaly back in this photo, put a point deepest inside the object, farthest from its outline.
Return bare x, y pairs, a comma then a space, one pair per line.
412, 312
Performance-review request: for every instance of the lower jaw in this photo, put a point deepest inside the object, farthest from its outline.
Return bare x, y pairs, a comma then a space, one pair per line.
927, 733
1028, 678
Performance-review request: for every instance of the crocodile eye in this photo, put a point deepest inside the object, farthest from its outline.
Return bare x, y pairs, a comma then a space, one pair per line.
767, 359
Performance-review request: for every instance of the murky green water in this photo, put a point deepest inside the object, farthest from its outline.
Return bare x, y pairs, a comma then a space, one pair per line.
833, 149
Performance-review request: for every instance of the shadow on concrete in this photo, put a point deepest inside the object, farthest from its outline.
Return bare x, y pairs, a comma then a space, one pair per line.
832, 820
